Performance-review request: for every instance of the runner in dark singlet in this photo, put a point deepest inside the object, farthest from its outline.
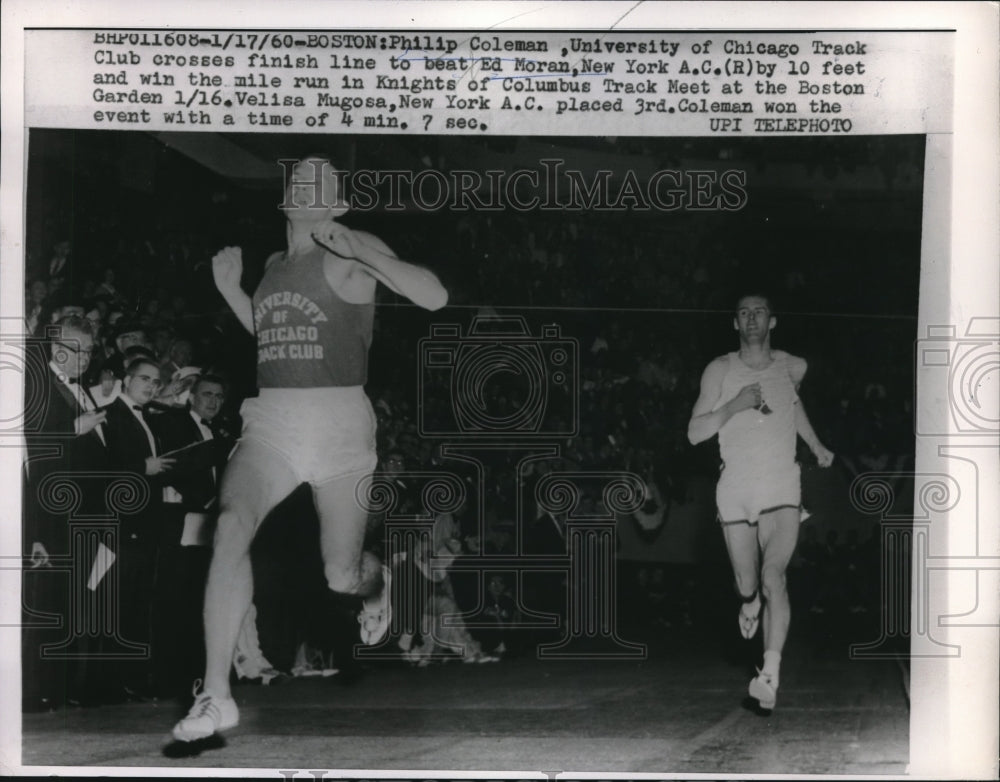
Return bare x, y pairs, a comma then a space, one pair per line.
312, 315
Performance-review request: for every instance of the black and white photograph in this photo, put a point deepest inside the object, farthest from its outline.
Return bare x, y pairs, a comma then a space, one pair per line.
443, 454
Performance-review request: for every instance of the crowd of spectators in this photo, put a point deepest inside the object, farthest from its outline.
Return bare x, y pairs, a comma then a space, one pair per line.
641, 312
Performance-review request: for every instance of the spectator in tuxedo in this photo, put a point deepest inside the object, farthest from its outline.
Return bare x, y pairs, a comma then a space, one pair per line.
64, 434
189, 515
133, 448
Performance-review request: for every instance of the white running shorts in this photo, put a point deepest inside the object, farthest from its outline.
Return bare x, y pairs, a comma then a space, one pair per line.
743, 496
322, 433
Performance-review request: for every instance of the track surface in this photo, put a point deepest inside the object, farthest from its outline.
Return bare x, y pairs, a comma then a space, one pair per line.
681, 710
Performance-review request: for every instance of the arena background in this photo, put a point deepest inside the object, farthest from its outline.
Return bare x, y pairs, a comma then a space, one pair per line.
830, 227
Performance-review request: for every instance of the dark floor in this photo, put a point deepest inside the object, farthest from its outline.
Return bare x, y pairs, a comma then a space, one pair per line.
681, 710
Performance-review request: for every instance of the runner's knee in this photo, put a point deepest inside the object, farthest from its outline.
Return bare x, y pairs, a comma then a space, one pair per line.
772, 582
234, 529
346, 581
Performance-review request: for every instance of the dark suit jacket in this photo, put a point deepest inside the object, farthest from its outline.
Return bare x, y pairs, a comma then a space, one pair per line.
191, 474
53, 446
128, 449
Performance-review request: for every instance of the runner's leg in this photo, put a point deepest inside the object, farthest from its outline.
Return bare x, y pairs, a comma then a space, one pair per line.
342, 523
744, 554
778, 533
256, 479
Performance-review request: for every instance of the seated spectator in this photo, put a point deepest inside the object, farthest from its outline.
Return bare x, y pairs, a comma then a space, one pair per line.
650, 519
107, 286
249, 662
446, 633
127, 334
34, 305
58, 305
96, 317
59, 266
179, 354
107, 388
177, 390
501, 611
162, 338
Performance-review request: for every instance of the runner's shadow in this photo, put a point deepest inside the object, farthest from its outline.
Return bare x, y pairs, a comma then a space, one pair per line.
752, 705
191, 749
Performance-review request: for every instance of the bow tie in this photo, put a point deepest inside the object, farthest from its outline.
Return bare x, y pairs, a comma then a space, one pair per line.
73, 380
137, 407
206, 424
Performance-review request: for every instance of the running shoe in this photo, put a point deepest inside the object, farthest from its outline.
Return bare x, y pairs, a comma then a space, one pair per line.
764, 688
208, 715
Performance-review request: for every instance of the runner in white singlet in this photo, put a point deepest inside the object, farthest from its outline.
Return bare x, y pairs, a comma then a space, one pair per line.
749, 398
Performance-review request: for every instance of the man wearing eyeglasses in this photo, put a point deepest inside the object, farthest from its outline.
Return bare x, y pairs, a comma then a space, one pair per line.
64, 434
133, 448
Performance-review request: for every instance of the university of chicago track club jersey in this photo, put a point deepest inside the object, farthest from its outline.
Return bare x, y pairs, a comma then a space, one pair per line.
307, 336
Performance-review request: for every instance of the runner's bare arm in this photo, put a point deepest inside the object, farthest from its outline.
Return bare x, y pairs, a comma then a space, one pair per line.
227, 269
417, 284
803, 427
706, 422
